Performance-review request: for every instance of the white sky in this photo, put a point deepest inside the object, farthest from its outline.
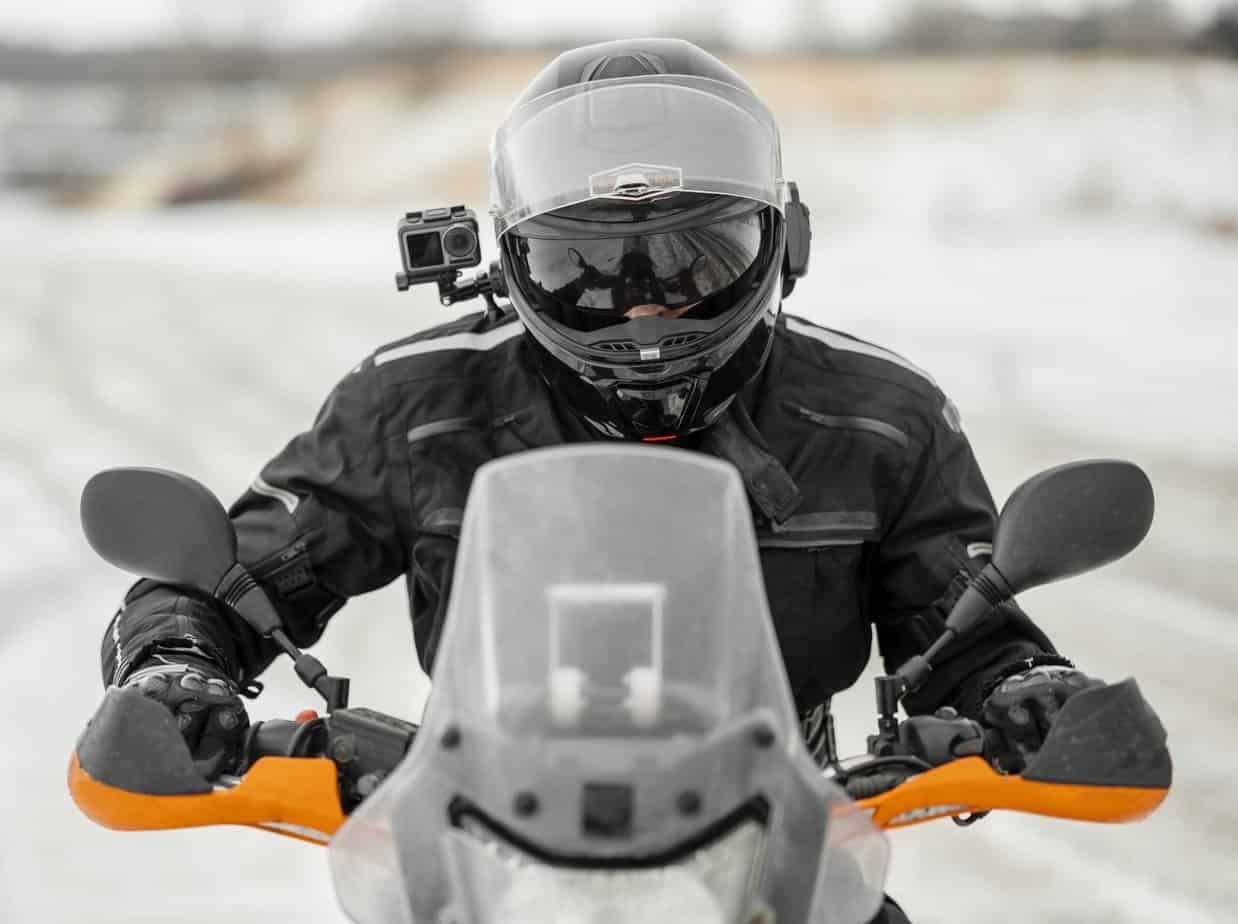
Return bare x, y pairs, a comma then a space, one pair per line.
88, 23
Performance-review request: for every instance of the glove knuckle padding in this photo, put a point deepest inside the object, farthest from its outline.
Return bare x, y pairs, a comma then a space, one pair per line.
1025, 704
1044, 706
205, 704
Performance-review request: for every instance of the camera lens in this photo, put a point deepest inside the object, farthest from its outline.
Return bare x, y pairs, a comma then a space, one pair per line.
459, 241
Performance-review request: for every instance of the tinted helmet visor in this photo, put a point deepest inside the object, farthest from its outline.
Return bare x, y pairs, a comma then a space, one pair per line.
598, 264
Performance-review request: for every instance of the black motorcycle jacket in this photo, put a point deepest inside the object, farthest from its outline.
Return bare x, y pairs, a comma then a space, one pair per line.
869, 507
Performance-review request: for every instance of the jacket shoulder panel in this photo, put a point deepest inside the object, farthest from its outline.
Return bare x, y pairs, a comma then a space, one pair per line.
862, 379
447, 371
473, 332
846, 353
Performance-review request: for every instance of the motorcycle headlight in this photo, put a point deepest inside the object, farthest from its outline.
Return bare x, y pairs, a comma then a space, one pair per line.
495, 883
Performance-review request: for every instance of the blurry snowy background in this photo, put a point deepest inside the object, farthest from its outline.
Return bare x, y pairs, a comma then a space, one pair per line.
1037, 201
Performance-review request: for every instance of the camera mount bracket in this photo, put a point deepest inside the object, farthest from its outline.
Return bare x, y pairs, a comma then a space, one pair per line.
452, 289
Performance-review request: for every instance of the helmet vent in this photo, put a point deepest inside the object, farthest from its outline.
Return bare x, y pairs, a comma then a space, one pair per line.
666, 343
679, 340
627, 64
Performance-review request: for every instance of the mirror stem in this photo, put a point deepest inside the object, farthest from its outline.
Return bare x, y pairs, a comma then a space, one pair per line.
987, 590
313, 673
280, 638
238, 589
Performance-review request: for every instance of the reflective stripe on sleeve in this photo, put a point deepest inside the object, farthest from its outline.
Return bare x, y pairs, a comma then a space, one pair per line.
842, 342
464, 341
287, 498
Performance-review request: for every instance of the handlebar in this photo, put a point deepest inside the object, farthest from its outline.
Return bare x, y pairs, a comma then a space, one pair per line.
1104, 760
364, 744
284, 738
920, 743
938, 739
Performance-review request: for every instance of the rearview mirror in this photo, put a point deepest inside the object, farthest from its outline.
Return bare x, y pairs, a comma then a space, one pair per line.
159, 524
1071, 519
1062, 522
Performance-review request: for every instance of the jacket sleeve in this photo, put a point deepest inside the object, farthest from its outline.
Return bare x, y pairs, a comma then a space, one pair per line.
317, 526
941, 536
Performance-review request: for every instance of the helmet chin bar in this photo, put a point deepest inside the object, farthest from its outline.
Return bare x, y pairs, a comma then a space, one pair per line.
687, 402
661, 410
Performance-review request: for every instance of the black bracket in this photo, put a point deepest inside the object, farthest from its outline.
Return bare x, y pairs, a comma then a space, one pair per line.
487, 282
889, 693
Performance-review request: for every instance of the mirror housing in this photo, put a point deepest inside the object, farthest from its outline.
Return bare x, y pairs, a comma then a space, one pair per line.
1071, 519
1059, 523
159, 524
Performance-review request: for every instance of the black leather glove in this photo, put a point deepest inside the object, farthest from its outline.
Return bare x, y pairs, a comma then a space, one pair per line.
206, 705
1024, 704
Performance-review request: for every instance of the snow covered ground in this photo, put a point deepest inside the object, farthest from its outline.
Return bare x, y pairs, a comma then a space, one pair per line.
201, 340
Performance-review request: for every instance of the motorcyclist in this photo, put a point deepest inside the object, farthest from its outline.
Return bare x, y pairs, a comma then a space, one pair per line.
647, 241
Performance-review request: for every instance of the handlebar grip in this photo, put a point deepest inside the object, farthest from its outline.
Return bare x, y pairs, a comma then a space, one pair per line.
270, 738
282, 738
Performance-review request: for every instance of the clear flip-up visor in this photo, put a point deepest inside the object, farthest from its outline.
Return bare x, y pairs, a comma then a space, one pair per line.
631, 139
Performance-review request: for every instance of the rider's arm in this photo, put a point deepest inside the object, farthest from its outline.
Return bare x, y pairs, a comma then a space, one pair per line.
316, 527
939, 535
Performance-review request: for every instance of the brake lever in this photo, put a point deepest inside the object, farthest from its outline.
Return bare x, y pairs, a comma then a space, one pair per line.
210, 769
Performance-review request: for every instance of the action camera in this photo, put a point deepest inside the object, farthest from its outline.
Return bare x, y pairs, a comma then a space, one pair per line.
436, 244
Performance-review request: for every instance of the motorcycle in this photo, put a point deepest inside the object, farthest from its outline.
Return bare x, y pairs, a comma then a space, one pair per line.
611, 733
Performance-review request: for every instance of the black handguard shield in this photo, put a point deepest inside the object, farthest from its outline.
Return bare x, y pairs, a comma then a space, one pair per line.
133, 743
1105, 736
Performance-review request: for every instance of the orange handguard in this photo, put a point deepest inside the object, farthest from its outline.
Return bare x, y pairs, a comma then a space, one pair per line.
295, 796
971, 785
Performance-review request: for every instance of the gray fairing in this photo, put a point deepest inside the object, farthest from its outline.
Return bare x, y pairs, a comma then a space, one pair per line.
640, 564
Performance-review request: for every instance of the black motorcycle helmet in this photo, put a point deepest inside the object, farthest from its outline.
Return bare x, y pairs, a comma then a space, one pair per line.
642, 222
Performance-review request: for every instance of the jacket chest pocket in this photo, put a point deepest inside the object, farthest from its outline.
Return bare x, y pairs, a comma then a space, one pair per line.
816, 579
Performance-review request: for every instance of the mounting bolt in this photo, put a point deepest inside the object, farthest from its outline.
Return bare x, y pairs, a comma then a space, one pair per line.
526, 804
227, 720
688, 802
343, 749
368, 783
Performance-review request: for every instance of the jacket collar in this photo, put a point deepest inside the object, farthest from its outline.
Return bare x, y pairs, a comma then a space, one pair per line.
733, 438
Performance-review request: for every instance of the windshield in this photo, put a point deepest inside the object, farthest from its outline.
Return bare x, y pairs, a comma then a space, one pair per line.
608, 694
